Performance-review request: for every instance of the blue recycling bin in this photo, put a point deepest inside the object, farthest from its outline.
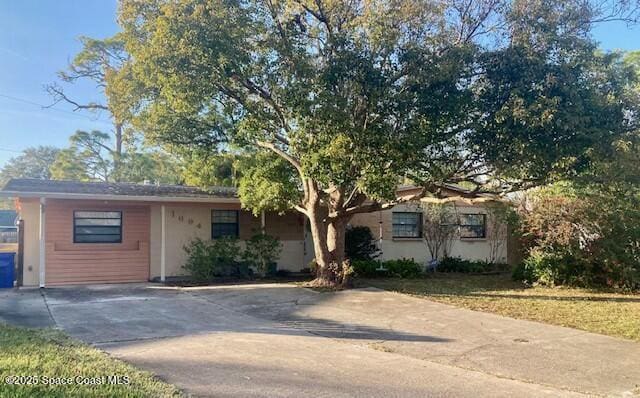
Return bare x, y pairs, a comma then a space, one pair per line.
6, 269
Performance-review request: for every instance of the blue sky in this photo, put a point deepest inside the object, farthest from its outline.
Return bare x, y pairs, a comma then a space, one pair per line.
40, 36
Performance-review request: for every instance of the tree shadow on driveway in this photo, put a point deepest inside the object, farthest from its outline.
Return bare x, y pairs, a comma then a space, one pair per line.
340, 330
129, 313
282, 305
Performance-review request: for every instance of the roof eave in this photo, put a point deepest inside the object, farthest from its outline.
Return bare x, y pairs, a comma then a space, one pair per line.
132, 198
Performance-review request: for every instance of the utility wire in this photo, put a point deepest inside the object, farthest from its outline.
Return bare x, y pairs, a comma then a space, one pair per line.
10, 150
43, 107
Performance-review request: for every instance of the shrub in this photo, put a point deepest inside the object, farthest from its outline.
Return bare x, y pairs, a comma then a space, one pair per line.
368, 268
523, 272
283, 273
457, 264
403, 268
539, 267
262, 251
557, 268
360, 244
581, 237
209, 259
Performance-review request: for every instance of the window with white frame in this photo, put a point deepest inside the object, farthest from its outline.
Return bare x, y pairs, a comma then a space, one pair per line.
407, 225
473, 226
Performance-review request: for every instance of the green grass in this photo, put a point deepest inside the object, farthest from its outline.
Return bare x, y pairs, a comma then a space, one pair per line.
50, 353
605, 312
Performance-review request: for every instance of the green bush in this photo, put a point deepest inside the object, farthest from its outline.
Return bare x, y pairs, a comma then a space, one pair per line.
359, 244
368, 268
403, 268
262, 252
580, 236
523, 272
457, 264
218, 258
558, 268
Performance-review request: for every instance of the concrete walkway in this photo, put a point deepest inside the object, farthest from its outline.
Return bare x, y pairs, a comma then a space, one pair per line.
280, 340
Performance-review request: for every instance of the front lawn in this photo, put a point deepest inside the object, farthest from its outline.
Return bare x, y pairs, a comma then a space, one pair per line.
609, 313
46, 357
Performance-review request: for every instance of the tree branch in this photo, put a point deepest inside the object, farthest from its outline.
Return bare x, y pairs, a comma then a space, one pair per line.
282, 154
301, 209
265, 95
59, 95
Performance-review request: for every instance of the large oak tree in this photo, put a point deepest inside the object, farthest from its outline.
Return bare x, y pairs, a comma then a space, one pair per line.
339, 100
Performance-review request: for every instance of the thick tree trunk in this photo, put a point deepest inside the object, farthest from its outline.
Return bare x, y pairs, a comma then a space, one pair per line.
328, 234
336, 240
329, 246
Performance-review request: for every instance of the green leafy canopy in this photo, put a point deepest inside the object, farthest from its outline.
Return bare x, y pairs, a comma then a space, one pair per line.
348, 98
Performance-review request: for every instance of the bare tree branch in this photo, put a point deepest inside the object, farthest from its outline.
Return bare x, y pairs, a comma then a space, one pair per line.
58, 95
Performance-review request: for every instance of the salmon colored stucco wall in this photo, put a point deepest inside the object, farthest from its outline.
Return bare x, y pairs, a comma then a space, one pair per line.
68, 262
137, 258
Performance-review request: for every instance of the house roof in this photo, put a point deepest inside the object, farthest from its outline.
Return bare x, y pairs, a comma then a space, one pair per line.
449, 190
62, 189
8, 218
26, 187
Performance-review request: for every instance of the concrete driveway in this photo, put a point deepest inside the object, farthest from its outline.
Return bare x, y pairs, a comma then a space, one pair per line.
285, 341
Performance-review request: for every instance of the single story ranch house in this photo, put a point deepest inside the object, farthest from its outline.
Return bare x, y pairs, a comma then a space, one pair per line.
88, 232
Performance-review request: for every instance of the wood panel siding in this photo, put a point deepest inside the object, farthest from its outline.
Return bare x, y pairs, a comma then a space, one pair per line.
68, 262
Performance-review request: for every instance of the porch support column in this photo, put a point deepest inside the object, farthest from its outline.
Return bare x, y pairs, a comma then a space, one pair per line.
163, 242
41, 237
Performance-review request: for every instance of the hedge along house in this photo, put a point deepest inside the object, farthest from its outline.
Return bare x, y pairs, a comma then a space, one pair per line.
85, 232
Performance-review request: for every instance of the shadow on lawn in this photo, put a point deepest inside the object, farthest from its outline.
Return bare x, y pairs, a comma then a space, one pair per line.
478, 286
554, 298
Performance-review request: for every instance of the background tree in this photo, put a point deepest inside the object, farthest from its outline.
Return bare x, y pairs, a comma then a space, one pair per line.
34, 162
102, 62
87, 159
154, 166
90, 158
341, 100
205, 169
585, 231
